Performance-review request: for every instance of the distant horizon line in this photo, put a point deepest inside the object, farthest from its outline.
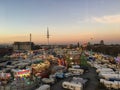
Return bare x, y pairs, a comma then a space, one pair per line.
59, 43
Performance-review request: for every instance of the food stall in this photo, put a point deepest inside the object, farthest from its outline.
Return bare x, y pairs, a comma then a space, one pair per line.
4, 77
21, 73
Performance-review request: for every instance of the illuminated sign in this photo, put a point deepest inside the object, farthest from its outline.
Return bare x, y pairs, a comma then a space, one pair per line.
23, 72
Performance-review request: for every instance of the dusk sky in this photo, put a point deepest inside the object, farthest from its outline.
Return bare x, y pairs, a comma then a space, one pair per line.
69, 21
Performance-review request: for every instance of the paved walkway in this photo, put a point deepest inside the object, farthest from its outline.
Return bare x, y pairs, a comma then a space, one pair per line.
93, 81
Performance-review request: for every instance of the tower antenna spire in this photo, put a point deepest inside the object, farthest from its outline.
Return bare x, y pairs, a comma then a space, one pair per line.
30, 40
48, 36
30, 37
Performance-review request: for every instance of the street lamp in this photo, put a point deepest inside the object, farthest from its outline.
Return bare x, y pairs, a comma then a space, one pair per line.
91, 46
71, 58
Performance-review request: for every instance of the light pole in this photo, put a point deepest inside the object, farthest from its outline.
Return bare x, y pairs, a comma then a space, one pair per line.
91, 46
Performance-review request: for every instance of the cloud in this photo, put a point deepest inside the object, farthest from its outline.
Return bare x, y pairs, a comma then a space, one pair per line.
104, 19
107, 19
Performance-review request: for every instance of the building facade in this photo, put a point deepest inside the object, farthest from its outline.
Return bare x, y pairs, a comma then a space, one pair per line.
23, 45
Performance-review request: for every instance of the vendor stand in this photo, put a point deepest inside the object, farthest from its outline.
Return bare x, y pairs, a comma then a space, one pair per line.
4, 78
21, 74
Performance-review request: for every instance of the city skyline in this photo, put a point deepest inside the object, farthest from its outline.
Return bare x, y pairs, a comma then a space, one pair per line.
69, 21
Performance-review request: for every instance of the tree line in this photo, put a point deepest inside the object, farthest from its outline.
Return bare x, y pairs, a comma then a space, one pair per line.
112, 50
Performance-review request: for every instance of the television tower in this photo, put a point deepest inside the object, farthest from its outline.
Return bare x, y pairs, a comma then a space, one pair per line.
48, 36
30, 37
30, 40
